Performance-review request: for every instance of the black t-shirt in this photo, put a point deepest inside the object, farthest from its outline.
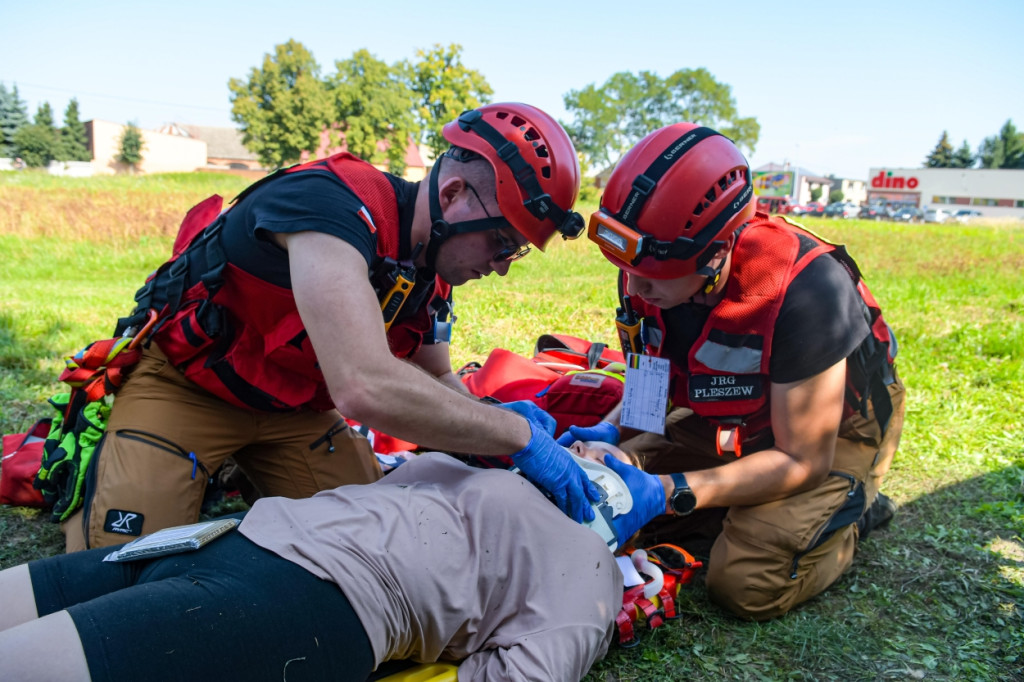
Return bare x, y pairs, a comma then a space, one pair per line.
310, 200
822, 320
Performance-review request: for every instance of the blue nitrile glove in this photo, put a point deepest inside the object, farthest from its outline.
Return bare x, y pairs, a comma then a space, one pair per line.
534, 414
648, 498
604, 432
550, 466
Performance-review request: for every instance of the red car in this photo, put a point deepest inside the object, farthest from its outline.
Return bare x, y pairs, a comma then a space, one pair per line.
815, 208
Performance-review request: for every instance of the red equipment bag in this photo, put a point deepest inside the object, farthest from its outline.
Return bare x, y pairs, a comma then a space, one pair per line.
576, 381
22, 456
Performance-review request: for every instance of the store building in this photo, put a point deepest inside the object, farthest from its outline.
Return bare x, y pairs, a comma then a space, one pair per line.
996, 193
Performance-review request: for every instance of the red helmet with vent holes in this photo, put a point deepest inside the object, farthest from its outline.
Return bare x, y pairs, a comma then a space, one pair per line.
673, 201
535, 165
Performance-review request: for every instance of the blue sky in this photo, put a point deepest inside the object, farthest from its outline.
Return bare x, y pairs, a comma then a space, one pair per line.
836, 87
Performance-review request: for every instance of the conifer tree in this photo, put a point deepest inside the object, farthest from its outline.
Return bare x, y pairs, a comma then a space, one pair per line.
131, 145
13, 115
942, 155
963, 157
73, 137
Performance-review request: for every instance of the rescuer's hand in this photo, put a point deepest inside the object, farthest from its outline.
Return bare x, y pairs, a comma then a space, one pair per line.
550, 466
534, 414
604, 432
648, 498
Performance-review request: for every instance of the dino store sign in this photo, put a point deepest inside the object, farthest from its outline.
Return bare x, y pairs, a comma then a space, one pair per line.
886, 180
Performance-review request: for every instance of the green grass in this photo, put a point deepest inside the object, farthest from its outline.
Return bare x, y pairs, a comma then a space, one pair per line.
935, 596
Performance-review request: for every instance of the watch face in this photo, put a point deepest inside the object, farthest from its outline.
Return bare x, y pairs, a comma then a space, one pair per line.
683, 501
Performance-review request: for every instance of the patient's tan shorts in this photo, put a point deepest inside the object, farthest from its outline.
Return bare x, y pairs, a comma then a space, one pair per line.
166, 437
766, 559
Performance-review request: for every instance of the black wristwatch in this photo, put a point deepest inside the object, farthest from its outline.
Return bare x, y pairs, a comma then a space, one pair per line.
683, 501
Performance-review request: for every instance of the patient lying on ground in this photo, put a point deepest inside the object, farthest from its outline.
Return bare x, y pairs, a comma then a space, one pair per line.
436, 561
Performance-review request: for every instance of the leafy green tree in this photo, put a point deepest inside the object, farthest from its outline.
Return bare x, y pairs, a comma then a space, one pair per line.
130, 146
610, 118
835, 195
373, 109
34, 145
963, 157
942, 155
73, 137
13, 115
1005, 150
38, 143
283, 106
816, 193
445, 87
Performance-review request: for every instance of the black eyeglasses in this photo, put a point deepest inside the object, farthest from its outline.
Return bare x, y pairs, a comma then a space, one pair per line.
509, 251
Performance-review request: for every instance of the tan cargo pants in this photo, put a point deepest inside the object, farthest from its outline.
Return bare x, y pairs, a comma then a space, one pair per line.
766, 559
166, 437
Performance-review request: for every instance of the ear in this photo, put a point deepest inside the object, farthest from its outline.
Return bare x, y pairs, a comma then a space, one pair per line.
727, 247
449, 190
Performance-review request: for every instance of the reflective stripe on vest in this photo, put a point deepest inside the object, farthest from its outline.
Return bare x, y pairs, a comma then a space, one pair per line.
727, 377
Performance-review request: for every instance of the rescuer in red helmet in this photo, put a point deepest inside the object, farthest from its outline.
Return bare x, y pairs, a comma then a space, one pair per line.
786, 409
296, 308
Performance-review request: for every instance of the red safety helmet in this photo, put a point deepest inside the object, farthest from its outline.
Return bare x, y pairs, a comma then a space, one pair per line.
535, 165
672, 202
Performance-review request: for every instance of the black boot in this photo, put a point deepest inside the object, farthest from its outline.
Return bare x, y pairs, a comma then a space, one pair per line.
879, 514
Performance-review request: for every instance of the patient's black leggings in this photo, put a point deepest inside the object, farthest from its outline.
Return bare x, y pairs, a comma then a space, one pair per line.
228, 611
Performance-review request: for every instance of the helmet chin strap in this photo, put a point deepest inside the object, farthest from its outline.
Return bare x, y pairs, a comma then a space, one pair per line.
711, 277
713, 273
441, 230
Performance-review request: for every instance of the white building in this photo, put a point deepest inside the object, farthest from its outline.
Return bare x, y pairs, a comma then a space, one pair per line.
996, 193
783, 180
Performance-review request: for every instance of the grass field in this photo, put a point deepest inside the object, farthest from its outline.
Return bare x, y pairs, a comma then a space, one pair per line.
935, 596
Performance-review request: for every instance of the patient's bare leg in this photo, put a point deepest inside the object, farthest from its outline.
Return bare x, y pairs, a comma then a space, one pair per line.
43, 650
17, 597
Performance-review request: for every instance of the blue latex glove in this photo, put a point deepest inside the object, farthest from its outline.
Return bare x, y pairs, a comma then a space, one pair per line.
550, 466
605, 432
534, 414
648, 498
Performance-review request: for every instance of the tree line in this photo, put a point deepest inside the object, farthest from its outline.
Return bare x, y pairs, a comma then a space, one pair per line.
287, 106
38, 143
41, 141
1003, 150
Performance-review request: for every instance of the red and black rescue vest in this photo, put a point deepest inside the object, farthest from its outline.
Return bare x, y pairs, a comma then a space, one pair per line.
726, 379
240, 337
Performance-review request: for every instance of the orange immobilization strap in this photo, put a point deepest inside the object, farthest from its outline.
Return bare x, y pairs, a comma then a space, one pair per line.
678, 568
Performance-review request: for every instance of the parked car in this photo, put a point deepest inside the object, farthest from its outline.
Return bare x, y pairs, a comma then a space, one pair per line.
815, 208
773, 204
797, 209
908, 214
937, 215
875, 212
966, 215
842, 209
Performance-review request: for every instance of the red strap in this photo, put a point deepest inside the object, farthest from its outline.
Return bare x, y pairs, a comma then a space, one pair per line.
624, 622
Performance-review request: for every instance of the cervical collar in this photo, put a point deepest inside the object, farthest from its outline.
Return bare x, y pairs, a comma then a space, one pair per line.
615, 499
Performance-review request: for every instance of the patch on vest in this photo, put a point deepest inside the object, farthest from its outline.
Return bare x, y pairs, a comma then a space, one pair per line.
706, 388
585, 379
123, 522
